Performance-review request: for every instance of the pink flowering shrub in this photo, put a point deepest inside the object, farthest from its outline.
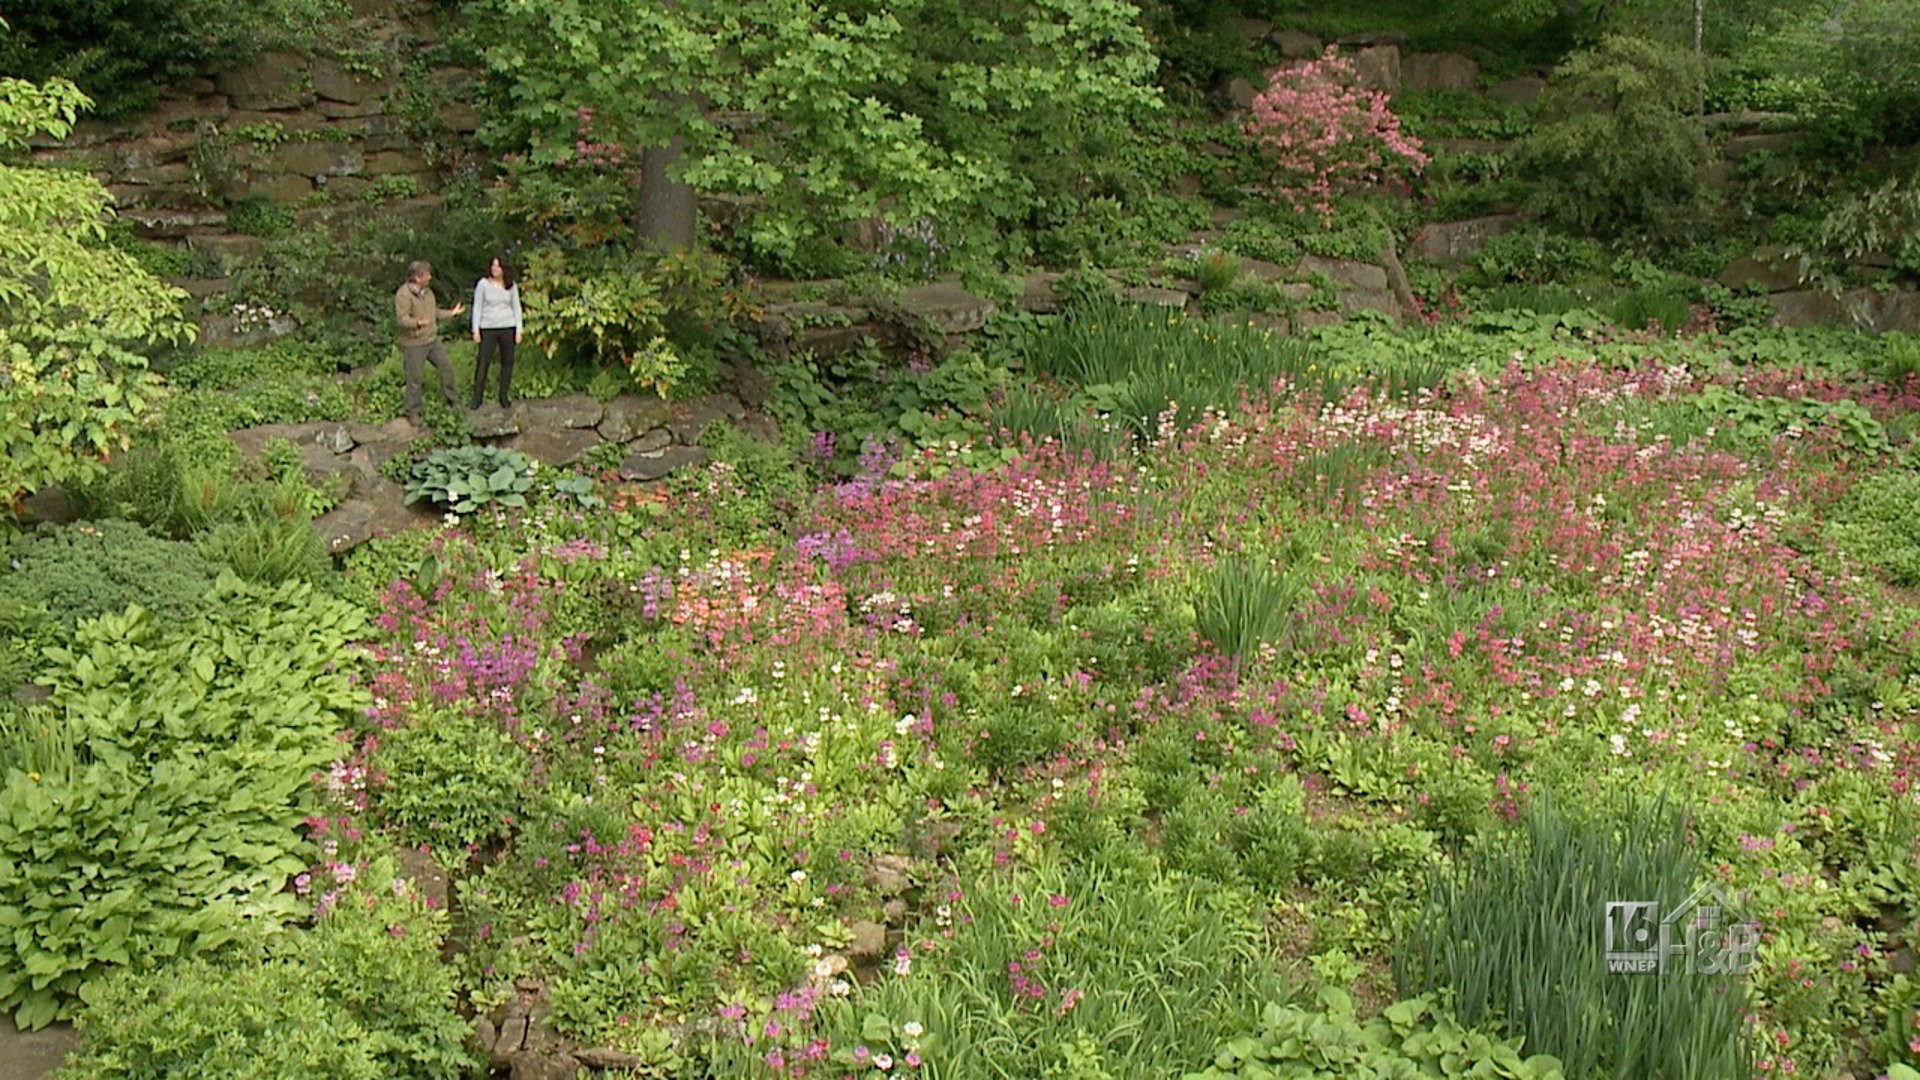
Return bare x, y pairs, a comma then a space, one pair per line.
1322, 134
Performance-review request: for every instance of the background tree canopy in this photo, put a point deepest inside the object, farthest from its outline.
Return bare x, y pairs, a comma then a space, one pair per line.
962, 115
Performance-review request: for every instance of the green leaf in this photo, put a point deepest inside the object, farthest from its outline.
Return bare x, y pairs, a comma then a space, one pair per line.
1405, 1014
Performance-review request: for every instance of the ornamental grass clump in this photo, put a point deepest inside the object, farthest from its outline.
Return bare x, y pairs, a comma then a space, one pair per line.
1243, 604
1144, 366
1518, 939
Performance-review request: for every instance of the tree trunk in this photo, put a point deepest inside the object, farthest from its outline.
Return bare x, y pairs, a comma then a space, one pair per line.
666, 218
666, 201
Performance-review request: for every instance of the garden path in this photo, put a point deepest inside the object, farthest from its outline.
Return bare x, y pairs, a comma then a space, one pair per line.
32, 1055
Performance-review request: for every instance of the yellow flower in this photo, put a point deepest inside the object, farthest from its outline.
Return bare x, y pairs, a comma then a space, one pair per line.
34, 776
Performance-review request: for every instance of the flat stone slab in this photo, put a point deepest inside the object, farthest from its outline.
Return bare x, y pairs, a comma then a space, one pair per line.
378, 509
1295, 45
1346, 273
1865, 309
627, 418
947, 307
1521, 91
50, 505
689, 420
760, 426
1741, 146
1455, 241
571, 411
1439, 71
1038, 295
1368, 300
554, 446
836, 340
1155, 297
329, 437
1769, 267
652, 442
1303, 322
493, 422
648, 467
396, 430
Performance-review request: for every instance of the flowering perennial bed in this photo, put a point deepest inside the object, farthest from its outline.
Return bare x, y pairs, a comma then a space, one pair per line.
939, 775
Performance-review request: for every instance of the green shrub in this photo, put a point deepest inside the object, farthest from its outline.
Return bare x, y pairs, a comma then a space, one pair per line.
451, 781
233, 1020
84, 570
1760, 419
159, 259
175, 489
1879, 524
151, 809
1539, 299
361, 996
1665, 307
259, 217
1617, 145
463, 479
1900, 360
1534, 256
647, 663
286, 381
662, 319
24, 631
268, 548
1515, 934
1410, 1038
1217, 270
368, 570
275, 361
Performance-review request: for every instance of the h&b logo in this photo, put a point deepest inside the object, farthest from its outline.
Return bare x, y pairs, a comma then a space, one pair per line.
1699, 935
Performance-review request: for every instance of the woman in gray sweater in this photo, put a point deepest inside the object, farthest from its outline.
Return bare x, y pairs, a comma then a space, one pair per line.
496, 326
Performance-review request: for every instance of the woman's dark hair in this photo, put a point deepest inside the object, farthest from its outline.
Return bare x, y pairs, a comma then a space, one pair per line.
507, 274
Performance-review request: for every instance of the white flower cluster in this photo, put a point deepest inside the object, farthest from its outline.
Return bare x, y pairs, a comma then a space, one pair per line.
250, 317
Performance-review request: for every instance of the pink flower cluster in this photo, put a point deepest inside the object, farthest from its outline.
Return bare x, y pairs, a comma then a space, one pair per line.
1322, 133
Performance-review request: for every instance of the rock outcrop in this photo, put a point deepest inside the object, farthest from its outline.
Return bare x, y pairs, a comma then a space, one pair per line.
656, 438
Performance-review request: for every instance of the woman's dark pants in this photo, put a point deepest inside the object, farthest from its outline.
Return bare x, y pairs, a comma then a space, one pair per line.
493, 341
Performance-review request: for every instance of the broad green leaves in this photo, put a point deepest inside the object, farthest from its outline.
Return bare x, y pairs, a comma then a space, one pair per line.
72, 311
464, 479
1412, 1038
151, 809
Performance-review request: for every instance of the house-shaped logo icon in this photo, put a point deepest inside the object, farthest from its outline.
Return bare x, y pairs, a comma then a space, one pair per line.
1702, 934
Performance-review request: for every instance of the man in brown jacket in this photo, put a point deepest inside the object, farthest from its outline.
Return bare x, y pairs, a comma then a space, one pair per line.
419, 315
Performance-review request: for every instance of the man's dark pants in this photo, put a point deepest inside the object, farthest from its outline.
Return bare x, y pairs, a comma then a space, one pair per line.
413, 359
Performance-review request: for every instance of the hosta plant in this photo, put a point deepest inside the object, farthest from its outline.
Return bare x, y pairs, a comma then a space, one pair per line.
465, 478
1411, 1038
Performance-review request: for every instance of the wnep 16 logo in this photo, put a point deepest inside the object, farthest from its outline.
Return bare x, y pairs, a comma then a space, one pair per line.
1701, 936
